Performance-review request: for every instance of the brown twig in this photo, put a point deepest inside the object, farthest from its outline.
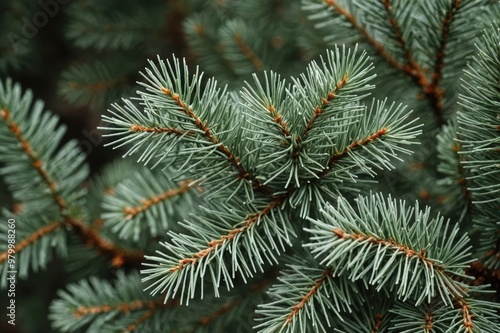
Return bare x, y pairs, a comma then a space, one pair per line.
124, 307
278, 119
94, 86
132, 327
37, 164
159, 130
421, 255
119, 256
466, 315
429, 320
335, 158
319, 110
462, 181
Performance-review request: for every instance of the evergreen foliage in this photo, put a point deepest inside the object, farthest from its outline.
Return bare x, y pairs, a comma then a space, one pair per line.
359, 194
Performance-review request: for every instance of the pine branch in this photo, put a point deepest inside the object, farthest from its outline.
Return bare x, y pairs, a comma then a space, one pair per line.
430, 87
366, 35
223, 230
259, 226
103, 29
239, 43
88, 236
457, 195
104, 185
98, 82
248, 223
187, 110
247, 51
208, 48
465, 315
376, 239
37, 164
31, 239
304, 298
307, 297
122, 307
478, 133
97, 306
62, 187
445, 31
424, 317
431, 90
334, 159
132, 327
147, 204
368, 317
120, 256
379, 126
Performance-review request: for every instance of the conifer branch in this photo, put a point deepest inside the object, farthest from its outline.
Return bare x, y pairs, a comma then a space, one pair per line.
233, 160
37, 164
383, 245
428, 320
123, 307
430, 89
467, 316
445, 32
132, 327
335, 158
94, 87
225, 308
159, 130
131, 212
376, 45
237, 301
121, 304
89, 236
303, 298
396, 247
307, 297
278, 119
198, 29
321, 109
247, 51
248, 223
399, 36
31, 239
318, 111
462, 181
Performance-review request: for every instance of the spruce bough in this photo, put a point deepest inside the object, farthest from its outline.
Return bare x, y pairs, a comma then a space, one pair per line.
279, 230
